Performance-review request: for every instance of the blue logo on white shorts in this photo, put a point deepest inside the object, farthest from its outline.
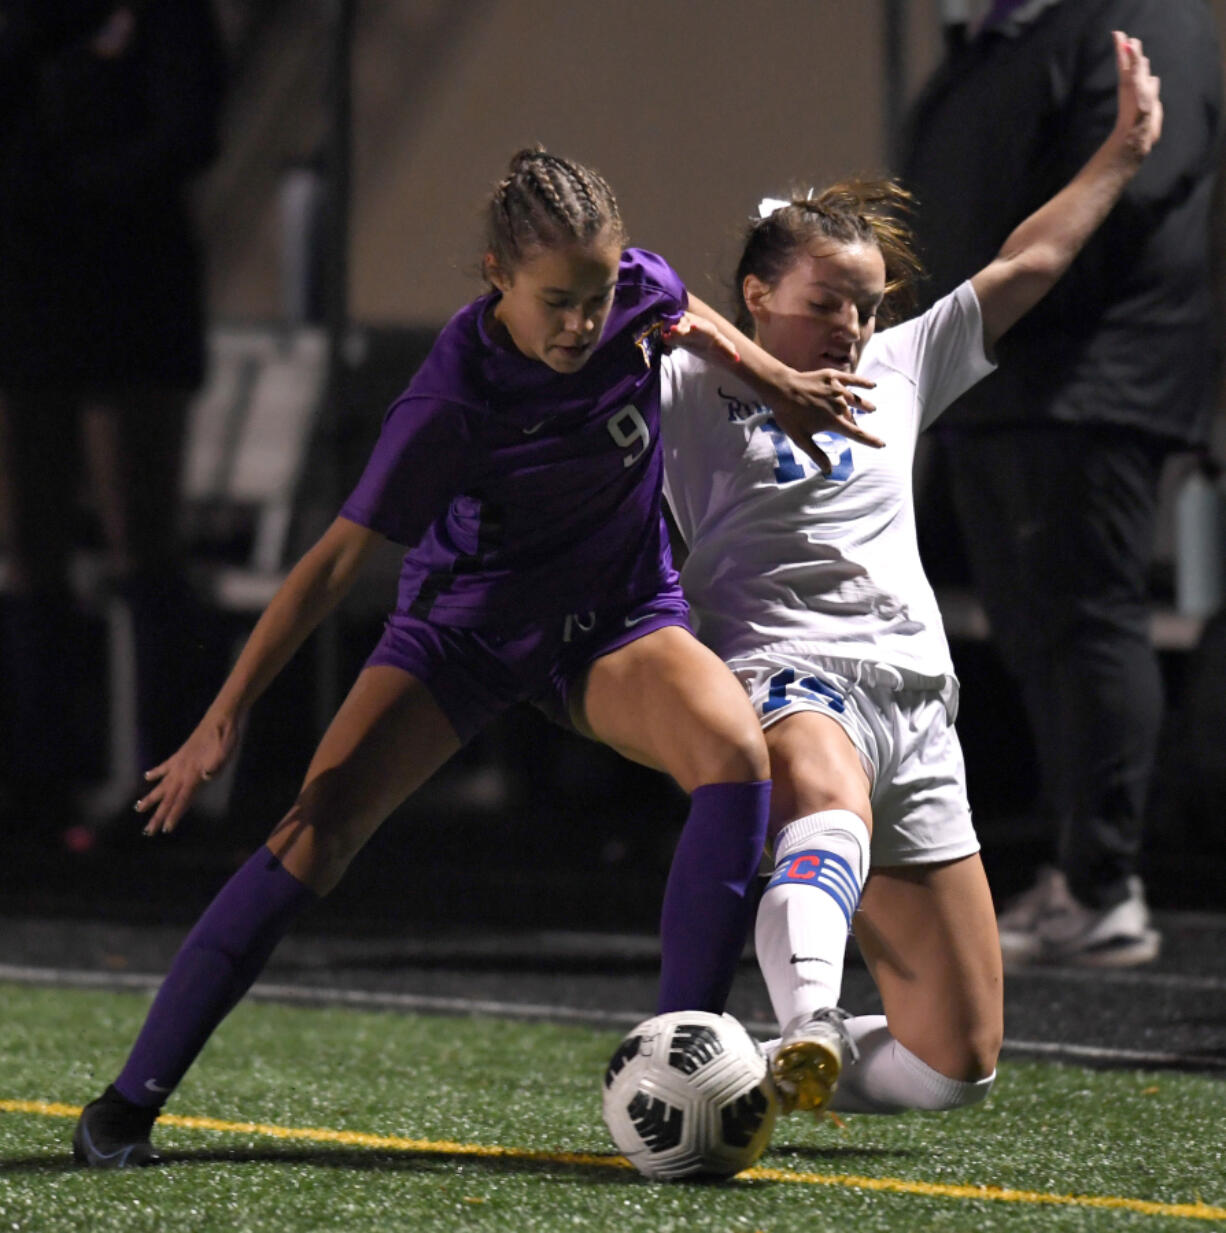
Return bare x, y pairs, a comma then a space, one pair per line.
785, 688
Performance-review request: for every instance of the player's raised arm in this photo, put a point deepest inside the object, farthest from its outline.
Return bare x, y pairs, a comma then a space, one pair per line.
804, 403
312, 589
1043, 246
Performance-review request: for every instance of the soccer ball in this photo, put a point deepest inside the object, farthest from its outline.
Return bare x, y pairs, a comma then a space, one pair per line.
687, 1094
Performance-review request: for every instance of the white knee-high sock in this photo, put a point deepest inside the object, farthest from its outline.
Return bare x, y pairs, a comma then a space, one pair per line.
800, 937
888, 1078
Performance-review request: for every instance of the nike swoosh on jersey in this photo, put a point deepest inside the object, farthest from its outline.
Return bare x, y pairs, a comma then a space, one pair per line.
535, 428
630, 622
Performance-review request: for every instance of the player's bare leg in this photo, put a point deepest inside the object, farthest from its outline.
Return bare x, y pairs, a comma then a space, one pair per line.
668, 702
387, 739
815, 767
928, 935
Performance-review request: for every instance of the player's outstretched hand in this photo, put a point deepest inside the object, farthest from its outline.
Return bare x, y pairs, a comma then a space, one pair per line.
177, 779
701, 336
1138, 122
823, 401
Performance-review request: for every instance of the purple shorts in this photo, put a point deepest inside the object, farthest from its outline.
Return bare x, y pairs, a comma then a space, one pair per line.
476, 674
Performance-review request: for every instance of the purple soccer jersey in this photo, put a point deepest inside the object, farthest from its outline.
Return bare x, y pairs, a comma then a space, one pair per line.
521, 492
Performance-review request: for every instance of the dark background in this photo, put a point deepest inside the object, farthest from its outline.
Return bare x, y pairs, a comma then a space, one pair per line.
531, 825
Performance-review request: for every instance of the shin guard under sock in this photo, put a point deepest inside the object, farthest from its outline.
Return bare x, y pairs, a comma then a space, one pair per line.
709, 900
215, 966
821, 862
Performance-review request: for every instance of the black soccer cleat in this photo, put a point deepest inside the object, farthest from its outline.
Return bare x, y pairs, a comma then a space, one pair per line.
113, 1133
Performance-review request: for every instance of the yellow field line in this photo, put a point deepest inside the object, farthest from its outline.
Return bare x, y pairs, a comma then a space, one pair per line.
443, 1147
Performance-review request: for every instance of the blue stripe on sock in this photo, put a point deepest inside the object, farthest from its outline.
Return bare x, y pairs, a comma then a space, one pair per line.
826, 871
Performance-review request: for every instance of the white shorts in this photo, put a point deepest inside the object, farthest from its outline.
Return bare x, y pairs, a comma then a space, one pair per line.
905, 738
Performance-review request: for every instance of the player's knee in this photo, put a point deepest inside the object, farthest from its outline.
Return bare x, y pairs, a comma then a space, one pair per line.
799, 793
739, 755
967, 1055
972, 1057
982, 1053
316, 851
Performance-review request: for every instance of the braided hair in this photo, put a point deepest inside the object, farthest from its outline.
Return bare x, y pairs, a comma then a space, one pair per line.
547, 201
852, 212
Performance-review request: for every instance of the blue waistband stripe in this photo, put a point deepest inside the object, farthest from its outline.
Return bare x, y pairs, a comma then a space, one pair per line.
822, 870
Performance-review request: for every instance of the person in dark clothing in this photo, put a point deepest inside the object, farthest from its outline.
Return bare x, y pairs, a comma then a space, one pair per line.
107, 113
1054, 460
31, 31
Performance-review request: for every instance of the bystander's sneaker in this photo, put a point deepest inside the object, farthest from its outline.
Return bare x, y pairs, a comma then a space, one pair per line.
113, 1133
809, 1059
1019, 919
1049, 925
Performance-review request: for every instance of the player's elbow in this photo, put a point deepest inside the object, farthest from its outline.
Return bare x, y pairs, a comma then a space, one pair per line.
1014, 283
1031, 272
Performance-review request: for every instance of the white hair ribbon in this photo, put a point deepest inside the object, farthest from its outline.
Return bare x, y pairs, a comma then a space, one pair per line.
768, 205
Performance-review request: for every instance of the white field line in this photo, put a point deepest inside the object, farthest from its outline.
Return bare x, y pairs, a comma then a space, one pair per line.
1126, 977
364, 999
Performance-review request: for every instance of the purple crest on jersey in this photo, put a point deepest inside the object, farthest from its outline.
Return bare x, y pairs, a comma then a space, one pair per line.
523, 492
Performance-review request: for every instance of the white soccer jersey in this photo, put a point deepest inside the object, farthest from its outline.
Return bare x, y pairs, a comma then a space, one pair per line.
779, 553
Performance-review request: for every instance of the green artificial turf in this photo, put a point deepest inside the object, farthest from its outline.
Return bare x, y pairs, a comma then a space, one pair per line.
505, 1130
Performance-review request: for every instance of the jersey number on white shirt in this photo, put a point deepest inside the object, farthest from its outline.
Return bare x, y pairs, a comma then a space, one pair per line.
787, 468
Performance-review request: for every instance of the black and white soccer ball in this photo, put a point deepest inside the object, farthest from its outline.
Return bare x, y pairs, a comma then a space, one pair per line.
688, 1094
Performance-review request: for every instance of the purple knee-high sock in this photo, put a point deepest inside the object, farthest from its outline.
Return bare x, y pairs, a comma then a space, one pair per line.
708, 901
215, 966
